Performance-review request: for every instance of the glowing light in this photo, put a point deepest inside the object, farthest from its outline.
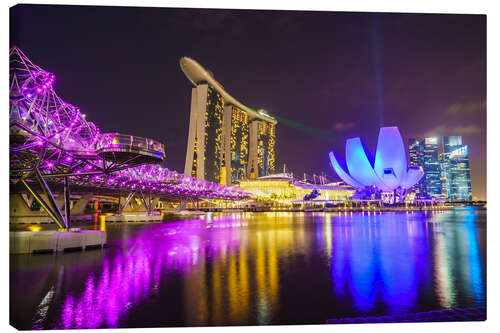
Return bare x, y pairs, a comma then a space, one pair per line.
34, 228
431, 141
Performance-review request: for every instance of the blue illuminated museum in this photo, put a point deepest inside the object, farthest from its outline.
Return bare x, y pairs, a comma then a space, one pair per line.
386, 175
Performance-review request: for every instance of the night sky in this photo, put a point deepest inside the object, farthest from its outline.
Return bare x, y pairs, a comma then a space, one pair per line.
328, 75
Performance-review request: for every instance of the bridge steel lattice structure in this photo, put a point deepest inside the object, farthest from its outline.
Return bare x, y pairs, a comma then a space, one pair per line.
53, 145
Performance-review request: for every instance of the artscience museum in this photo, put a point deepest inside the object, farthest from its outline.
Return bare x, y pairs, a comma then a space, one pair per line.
385, 176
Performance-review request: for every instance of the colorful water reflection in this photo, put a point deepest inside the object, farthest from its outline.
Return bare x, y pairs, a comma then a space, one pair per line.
266, 268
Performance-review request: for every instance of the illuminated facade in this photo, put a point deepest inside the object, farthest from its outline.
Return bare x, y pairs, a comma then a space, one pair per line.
386, 172
285, 188
416, 158
431, 167
442, 177
447, 173
262, 156
456, 169
238, 146
227, 141
213, 135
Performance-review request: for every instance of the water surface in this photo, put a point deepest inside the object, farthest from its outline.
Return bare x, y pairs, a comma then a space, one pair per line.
257, 268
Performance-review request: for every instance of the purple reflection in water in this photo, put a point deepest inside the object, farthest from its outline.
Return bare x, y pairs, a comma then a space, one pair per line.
132, 275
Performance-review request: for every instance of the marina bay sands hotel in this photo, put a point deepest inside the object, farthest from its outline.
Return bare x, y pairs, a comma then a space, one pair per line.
227, 140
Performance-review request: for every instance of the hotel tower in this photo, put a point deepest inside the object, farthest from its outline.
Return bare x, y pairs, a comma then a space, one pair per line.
227, 140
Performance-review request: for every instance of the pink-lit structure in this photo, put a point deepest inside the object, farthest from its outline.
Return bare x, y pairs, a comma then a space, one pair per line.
52, 142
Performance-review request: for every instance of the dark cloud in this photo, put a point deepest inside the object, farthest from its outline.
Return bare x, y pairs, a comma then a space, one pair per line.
479, 106
343, 126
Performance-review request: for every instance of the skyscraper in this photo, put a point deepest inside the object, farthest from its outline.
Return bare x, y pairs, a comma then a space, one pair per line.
456, 162
237, 143
416, 158
262, 159
227, 140
431, 167
443, 175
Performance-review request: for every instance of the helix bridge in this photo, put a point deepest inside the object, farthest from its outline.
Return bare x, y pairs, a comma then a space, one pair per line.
53, 147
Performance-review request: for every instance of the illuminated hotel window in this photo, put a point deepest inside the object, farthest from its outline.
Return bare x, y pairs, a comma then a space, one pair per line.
213, 135
265, 148
239, 144
416, 152
195, 159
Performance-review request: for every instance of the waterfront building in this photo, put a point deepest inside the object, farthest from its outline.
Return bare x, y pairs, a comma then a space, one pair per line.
386, 175
238, 146
431, 166
262, 158
284, 187
416, 158
456, 169
227, 140
442, 177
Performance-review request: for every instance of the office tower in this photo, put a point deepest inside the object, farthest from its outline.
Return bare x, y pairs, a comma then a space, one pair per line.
431, 167
456, 162
416, 158
443, 175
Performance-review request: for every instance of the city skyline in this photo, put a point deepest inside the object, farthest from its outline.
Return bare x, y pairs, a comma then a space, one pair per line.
335, 75
446, 164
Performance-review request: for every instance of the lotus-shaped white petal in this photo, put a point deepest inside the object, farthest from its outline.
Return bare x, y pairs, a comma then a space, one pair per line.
340, 167
387, 171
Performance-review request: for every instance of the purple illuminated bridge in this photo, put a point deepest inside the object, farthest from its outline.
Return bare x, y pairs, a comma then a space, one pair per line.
53, 145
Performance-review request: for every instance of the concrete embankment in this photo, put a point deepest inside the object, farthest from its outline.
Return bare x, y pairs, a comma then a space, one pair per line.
55, 241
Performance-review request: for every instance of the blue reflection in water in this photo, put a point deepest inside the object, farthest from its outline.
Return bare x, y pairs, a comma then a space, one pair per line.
386, 260
474, 257
400, 263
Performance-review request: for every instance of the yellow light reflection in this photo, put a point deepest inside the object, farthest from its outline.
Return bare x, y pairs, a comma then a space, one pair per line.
102, 222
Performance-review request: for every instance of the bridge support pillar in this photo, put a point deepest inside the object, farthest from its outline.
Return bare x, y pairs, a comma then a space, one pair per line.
154, 202
182, 205
125, 204
50, 206
81, 204
67, 202
148, 202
